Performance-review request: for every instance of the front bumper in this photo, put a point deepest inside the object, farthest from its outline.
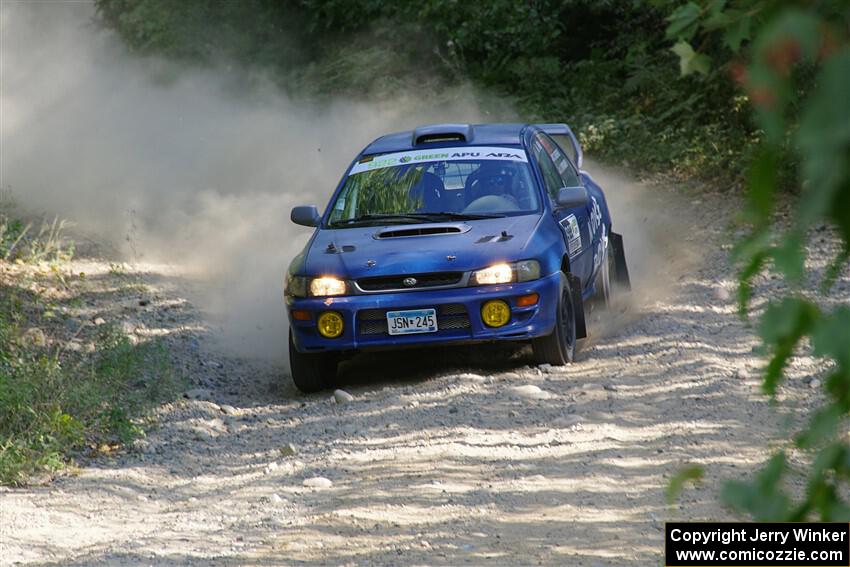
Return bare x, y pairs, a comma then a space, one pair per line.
458, 316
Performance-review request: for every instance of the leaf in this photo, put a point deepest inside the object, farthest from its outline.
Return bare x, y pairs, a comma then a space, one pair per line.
745, 286
789, 256
737, 31
692, 473
836, 266
716, 7
831, 336
824, 142
763, 498
689, 60
782, 326
821, 427
761, 185
683, 21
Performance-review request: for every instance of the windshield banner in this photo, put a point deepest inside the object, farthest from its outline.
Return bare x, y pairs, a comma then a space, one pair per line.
473, 153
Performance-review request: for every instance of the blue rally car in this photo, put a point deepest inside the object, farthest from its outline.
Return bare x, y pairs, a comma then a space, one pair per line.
452, 234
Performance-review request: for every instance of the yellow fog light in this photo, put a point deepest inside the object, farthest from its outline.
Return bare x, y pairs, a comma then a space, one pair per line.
330, 324
495, 313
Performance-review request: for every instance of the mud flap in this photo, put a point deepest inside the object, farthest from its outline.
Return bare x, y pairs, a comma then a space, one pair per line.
578, 306
621, 271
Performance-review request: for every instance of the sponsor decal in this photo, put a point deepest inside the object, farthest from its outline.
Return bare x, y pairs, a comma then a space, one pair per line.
561, 164
446, 154
595, 215
547, 145
570, 224
599, 254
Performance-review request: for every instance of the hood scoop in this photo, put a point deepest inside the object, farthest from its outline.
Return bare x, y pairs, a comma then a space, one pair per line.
421, 230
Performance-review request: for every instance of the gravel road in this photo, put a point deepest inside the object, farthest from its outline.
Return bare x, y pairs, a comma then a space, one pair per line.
449, 456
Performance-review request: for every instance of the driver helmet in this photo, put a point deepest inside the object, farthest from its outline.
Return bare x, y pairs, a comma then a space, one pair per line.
496, 179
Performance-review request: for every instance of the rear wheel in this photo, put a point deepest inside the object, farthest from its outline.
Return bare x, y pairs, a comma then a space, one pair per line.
311, 372
559, 347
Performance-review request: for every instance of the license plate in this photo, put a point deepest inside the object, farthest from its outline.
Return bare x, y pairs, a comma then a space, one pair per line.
412, 321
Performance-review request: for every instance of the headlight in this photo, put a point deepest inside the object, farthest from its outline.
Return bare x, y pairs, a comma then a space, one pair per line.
327, 285
524, 271
527, 270
300, 286
499, 273
296, 286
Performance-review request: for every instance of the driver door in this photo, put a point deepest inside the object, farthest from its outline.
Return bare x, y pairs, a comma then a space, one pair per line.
557, 172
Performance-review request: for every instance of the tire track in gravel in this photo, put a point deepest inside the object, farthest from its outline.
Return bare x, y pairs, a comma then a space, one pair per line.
441, 459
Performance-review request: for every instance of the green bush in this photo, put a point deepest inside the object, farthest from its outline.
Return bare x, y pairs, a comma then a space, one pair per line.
55, 404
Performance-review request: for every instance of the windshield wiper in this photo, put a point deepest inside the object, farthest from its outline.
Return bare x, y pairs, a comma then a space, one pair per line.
458, 216
416, 217
375, 217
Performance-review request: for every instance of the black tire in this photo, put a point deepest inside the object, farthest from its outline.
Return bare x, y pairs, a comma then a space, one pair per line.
311, 372
559, 347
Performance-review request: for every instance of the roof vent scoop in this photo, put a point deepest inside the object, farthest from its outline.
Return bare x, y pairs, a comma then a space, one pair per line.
437, 133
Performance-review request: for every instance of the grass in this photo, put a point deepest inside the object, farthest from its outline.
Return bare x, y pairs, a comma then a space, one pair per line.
20, 242
62, 397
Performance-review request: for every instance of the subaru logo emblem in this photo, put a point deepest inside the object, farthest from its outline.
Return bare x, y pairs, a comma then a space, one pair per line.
409, 282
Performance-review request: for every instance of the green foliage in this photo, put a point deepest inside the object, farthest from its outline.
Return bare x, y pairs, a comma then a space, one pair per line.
54, 405
693, 474
602, 66
794, 46
18, 241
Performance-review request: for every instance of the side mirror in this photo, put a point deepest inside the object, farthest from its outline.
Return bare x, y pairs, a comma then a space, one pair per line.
569, 197
305, 215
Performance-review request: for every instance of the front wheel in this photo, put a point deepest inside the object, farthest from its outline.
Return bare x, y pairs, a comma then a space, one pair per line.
559, 347
311, 372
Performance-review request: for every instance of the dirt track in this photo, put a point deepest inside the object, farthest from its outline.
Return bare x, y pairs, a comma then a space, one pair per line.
440, 458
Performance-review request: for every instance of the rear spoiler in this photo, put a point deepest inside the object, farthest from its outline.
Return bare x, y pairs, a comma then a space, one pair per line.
574, 152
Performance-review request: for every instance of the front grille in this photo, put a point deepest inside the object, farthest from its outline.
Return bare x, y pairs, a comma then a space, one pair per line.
385, 283
449, 317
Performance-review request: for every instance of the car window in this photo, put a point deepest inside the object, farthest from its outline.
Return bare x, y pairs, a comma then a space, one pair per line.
471, 179
562, 163
566, 144
551, 177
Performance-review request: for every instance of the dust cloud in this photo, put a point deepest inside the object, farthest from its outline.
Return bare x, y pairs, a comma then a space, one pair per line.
194, 168
199, 168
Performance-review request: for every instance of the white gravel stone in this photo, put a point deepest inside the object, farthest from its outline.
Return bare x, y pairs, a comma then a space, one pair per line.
741, 373
342, 397
229, 410
721, 293
529, 392
317, 482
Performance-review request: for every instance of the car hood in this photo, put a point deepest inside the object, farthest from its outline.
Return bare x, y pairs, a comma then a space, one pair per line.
399, 249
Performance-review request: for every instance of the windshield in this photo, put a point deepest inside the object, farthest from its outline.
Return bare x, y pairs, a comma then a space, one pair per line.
433, 185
